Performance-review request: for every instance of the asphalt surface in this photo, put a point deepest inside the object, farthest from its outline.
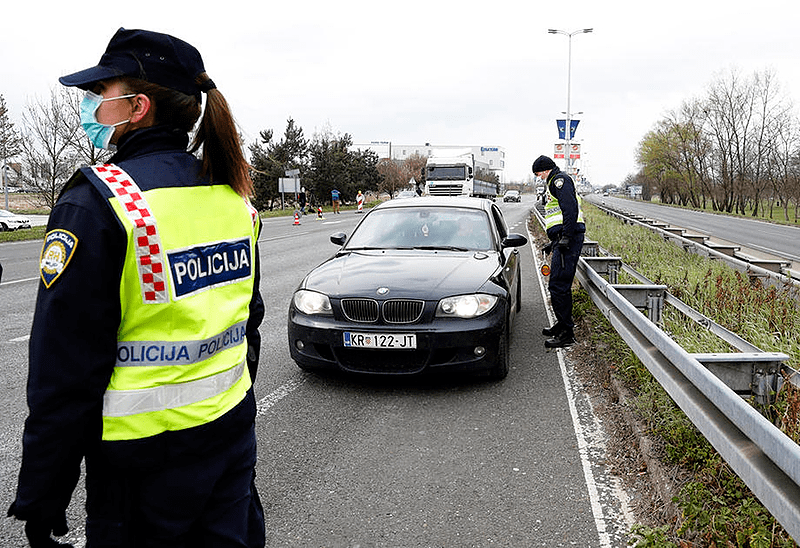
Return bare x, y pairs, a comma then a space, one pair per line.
353, 462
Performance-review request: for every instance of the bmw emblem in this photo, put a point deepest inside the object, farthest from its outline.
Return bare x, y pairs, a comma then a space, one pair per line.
383, 291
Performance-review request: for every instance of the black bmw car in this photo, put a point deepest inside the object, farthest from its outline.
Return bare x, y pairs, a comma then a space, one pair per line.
420, 285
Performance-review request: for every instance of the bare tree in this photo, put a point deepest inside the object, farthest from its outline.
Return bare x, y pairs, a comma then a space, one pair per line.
771, 110
785, 171
743, 114
393, 176
48, 151
414, 167
10, 142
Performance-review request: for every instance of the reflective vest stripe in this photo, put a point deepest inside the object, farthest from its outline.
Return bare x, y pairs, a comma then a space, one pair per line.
168, 353
149, 259
122, 403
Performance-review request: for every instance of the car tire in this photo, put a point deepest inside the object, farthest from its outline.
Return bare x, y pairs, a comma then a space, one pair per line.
500, 369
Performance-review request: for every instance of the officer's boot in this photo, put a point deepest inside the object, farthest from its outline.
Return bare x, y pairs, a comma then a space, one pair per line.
565, 338
553, 331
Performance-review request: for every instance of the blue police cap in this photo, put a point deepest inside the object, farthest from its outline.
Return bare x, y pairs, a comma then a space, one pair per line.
151, 56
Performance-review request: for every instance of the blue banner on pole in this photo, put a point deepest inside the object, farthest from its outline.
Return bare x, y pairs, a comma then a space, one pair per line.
562, 128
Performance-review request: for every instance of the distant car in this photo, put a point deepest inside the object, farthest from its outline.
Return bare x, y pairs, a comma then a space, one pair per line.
407, 194
12, 221
431, 284
512, 196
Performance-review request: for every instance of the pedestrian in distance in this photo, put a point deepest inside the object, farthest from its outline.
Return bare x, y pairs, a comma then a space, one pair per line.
302, 197
566, 229
144, 343
335, 200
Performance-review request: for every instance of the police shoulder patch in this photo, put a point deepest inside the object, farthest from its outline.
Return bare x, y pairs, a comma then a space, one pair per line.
559, 183
59, 246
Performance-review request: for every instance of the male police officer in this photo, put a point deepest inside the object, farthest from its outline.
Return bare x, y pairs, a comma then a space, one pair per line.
565, 228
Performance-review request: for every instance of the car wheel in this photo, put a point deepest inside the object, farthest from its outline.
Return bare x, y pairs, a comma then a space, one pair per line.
500, 369
3, 227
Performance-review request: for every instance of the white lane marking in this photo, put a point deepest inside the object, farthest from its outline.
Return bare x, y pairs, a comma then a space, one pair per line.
20, 339
263, 405
609, 501
20, 281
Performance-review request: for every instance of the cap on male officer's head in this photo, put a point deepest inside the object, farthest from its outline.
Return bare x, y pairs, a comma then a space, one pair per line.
542, 163
151, 56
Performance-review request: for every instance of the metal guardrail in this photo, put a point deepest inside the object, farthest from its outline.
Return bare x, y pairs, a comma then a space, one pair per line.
765, 458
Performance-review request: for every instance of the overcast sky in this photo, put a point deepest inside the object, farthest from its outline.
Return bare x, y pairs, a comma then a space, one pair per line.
443, 72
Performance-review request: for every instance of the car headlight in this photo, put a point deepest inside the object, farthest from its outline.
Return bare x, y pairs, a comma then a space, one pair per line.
466, 306
311, 302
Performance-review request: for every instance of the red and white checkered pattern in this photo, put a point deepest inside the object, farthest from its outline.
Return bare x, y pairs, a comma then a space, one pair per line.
149, 259
253, 211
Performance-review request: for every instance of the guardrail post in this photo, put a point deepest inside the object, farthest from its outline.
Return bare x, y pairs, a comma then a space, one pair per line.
648, 298
590, 249
756, 374
605, 266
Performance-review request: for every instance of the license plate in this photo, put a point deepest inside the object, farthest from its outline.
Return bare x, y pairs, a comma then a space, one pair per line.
388, 341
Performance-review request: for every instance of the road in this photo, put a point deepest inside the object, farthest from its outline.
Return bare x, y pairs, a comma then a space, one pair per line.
346, 462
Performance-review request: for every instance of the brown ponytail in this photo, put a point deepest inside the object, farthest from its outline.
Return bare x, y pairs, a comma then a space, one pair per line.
223, 158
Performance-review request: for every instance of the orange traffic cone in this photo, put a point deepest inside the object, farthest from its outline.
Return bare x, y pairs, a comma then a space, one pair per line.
296, 218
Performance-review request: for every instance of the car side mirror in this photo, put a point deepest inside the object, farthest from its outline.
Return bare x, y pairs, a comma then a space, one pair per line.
514, 240
339, 238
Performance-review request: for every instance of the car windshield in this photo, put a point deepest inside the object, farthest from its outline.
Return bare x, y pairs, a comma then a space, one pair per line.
446, 173
423, 228
4, 213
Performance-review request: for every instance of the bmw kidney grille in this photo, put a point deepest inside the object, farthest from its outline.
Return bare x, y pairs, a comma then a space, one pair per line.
395, 311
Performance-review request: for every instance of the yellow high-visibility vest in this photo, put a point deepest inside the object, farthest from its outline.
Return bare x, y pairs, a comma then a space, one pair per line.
552, 211
187, 282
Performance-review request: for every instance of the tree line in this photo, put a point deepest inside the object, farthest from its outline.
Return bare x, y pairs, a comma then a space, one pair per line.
735, 149
50, 144
327, 161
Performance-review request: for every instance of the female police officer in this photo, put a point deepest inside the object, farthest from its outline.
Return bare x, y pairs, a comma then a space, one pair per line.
144, 341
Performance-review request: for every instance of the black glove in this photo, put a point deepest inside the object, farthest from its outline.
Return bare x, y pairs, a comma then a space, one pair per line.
38, 533
563, 242
548, 248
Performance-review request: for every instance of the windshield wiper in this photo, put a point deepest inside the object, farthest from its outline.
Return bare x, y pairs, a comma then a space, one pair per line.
444, 247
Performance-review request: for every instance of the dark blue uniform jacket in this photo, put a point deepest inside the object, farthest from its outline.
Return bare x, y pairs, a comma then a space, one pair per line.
74, 339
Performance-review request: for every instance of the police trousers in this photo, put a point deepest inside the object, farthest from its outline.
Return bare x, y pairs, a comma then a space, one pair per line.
562, 273
210, 500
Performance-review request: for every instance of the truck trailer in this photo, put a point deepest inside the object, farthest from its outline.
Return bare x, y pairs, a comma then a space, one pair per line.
455, 173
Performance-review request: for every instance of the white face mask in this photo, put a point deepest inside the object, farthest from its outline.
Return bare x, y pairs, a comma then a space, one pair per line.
99, 134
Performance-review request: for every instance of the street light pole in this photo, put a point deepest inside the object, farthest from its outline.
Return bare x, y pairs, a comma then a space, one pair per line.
567, 129
4, 178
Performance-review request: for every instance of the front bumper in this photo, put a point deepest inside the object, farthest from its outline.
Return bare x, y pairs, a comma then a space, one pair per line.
446, 344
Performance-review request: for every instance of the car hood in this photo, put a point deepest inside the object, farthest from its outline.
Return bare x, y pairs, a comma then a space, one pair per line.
428, 275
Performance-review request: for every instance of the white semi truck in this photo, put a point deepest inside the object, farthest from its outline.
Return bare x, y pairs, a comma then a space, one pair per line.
455, 173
